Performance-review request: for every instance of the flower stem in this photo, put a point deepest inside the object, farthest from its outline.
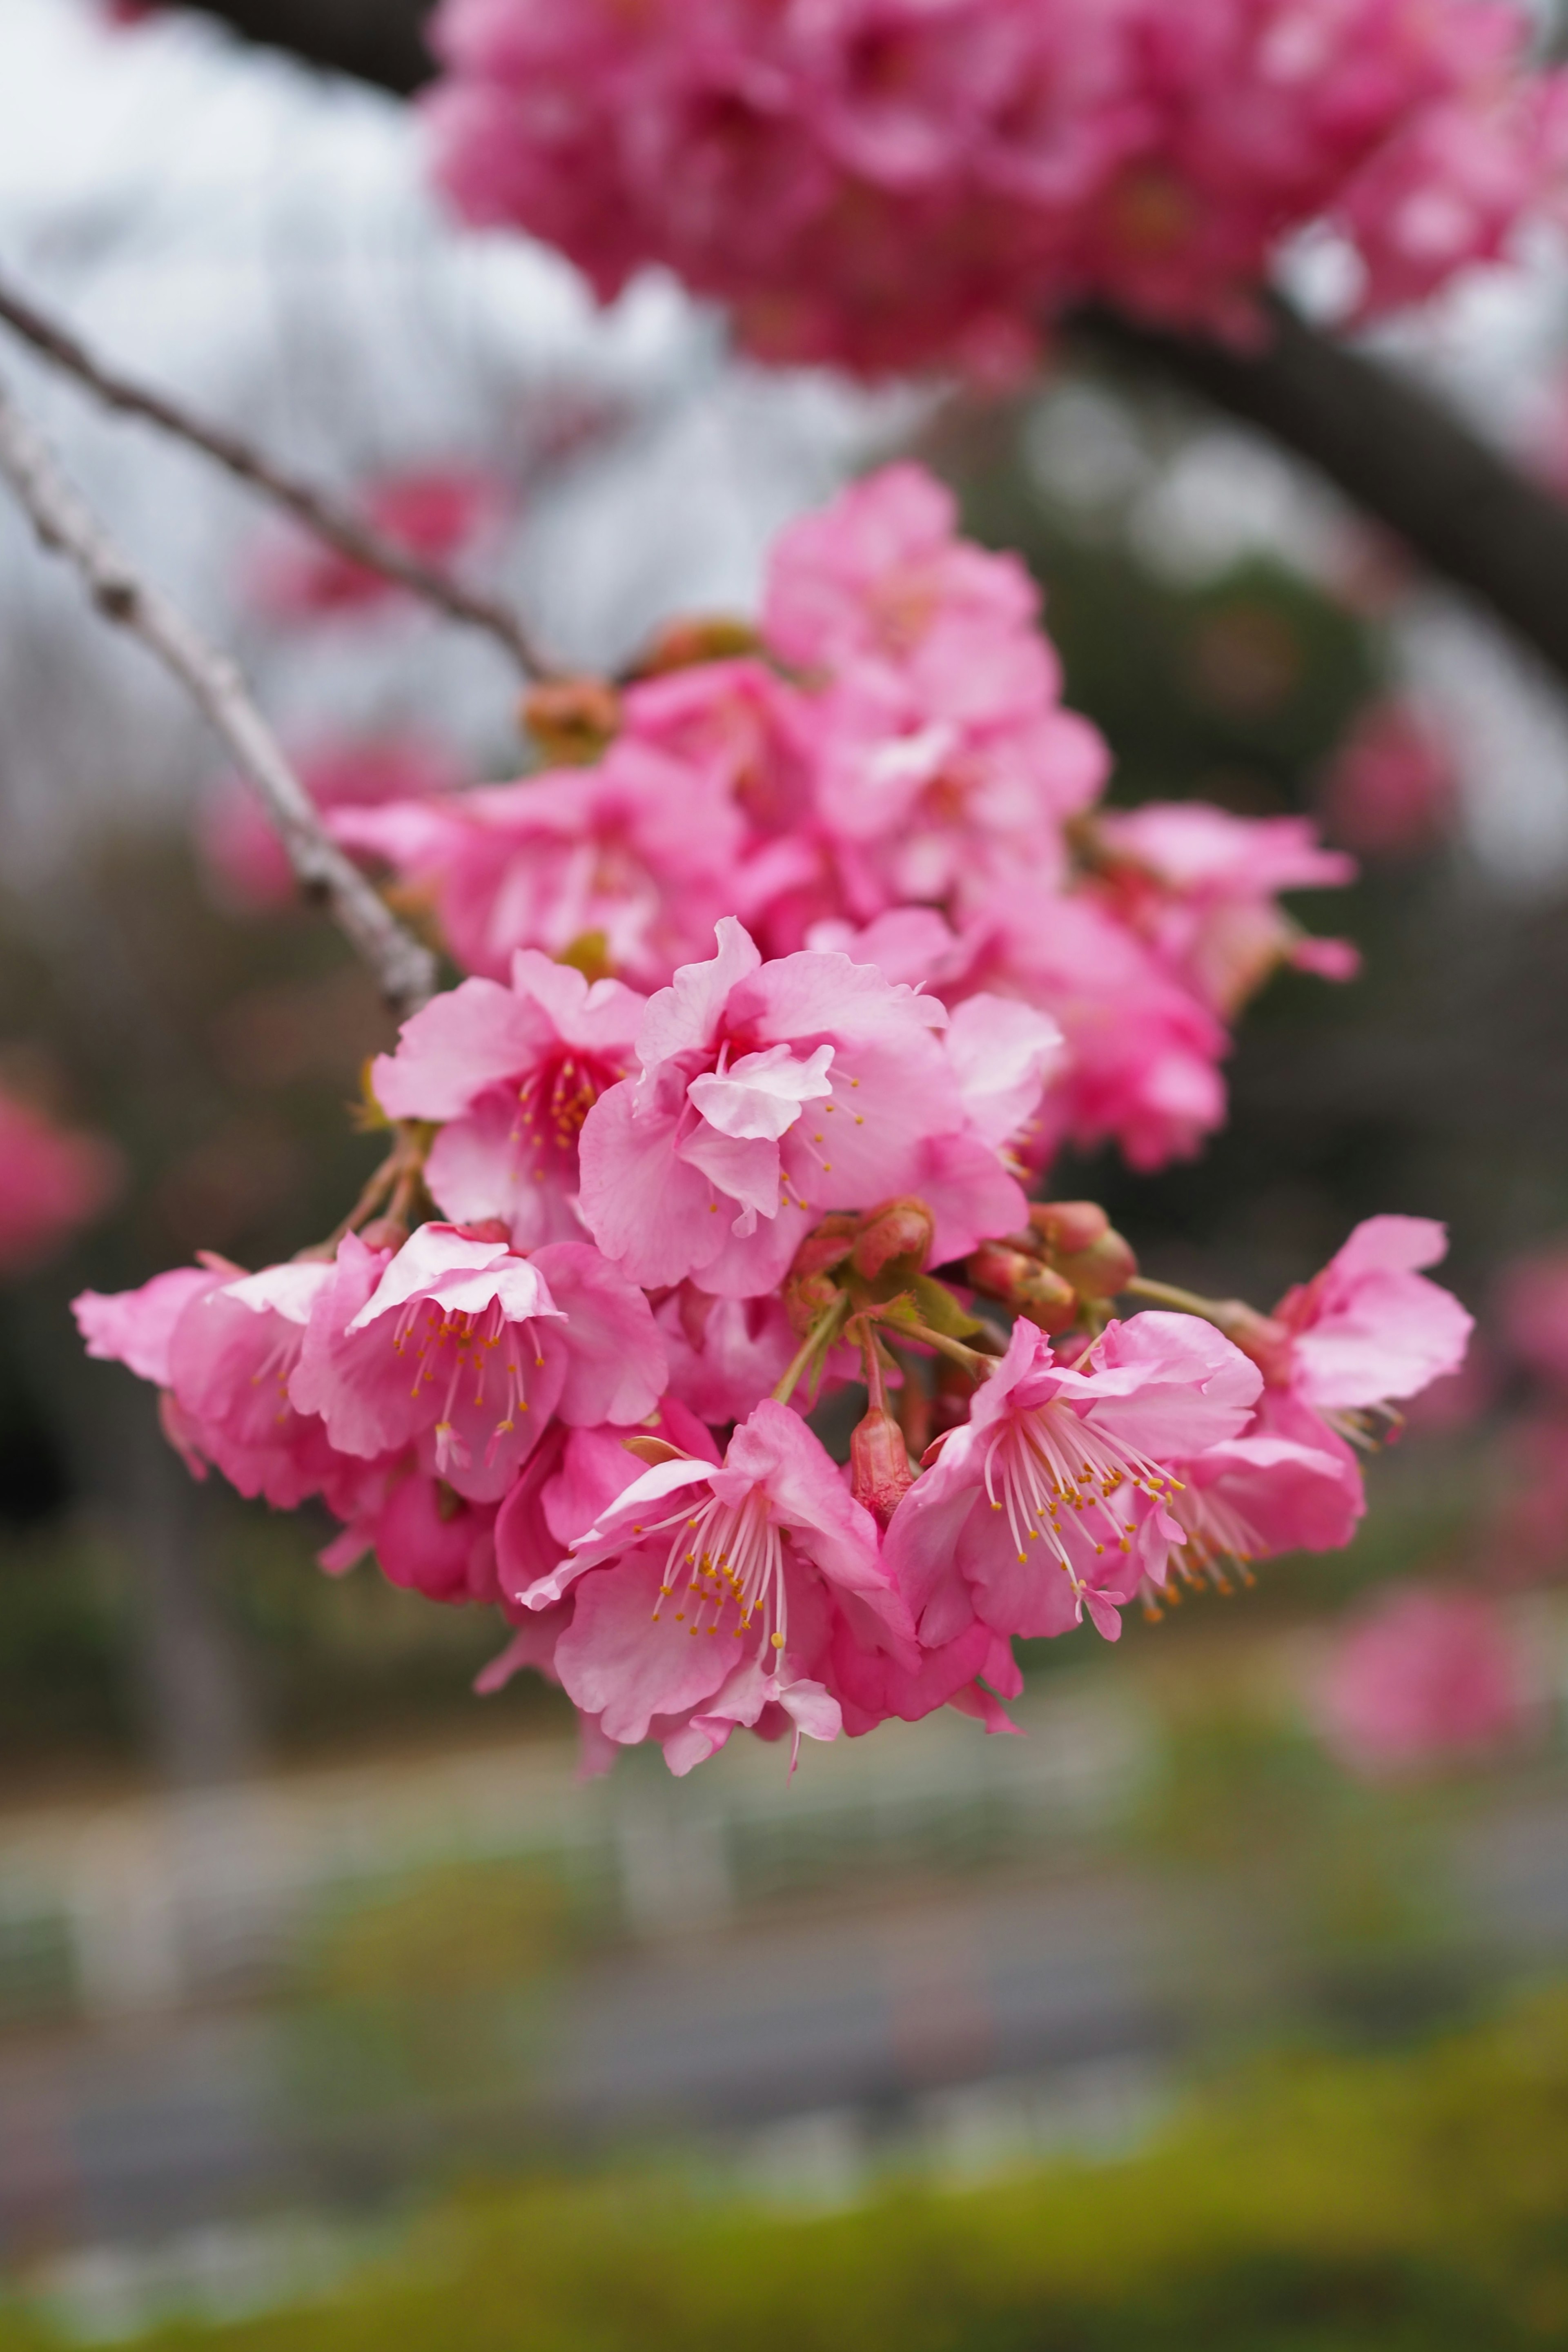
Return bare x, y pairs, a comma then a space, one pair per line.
820, 1336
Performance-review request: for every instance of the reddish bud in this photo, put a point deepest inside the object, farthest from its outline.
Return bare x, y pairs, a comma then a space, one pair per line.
1025, 1285
1067, 1227
1101, 1270
903, 1229
572, 720
879, 1472
681, 644
808, 1297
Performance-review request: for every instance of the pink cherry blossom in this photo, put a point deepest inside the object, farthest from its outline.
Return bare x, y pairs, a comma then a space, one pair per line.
223, 1346
768, 1093
899, 185
52, 1181
426, 1537
1141, 1050
1251, 1499
239, 844
741, 722
436, 512
512, 1073
1201, 886
1369, 1328
1392, 788
725, 1354
1073, 1460
641, 849
708, 1598
463, 1348
1423, 1676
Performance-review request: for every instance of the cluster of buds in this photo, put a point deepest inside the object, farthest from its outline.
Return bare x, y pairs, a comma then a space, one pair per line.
1060, 1271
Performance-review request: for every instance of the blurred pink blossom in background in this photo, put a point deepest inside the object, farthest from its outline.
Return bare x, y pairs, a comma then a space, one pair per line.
1422, 1675
52, 1182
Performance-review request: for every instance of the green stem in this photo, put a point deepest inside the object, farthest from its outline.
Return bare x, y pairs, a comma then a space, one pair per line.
820, 1336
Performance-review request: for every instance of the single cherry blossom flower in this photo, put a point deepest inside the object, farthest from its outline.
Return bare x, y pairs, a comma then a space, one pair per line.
708, 1598
1053, 1501
463, 1348
768, 1093
512, 1073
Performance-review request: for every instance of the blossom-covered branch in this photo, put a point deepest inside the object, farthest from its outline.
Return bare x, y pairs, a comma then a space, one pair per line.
348, 532
404, 970
1444, 188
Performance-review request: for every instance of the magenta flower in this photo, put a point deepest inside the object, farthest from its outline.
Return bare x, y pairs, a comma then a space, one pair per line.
1052, 1501
462, 1349
710, 1597
425, 1536
513, 1073
768, 1093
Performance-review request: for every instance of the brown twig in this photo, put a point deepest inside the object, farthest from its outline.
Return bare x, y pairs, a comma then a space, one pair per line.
63, 521
359, 541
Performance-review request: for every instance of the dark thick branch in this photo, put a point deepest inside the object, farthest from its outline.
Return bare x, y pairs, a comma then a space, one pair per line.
1393, 450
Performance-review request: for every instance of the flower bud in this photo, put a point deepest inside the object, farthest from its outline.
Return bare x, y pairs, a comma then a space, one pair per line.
1067, 1227
702, 637
572, 720
903, 1229
879, 1472
808, 1297
1025, 1285
1106, 1267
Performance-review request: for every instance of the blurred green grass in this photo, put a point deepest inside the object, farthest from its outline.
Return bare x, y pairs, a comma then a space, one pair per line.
1410, 2203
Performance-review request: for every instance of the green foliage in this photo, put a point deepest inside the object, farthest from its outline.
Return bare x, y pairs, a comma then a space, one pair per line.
1412, 2204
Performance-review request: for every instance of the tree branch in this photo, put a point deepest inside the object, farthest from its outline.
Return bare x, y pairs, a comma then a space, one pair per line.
63, 521
360, 542
1389, 447
1392, 448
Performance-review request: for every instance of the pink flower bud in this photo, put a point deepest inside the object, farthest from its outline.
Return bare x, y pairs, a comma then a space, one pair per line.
902, 1230
879, 1472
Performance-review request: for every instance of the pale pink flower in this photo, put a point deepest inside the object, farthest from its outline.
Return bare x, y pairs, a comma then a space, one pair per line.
52, 1182
463, 1348
1392, 787
239, 844
134, 1328
642, 849
1201, 886
1052, 1501
768, 1093
1423, 1677
708, 1598
1370, 1328
436, 512
512, 1073
223, 1346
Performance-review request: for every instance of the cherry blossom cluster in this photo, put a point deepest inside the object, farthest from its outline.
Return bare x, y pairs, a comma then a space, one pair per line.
885, 767
892, 184
577, 1394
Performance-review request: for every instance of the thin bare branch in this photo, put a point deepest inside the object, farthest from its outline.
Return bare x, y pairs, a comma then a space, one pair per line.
63, 521
337, 524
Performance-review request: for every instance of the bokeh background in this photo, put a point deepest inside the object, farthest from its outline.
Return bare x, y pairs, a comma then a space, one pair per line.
333, 2010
